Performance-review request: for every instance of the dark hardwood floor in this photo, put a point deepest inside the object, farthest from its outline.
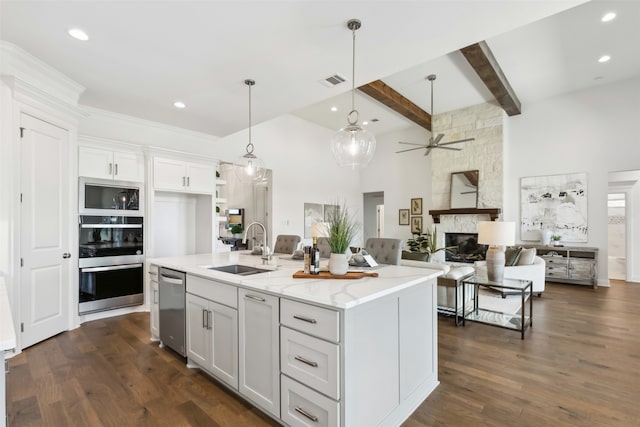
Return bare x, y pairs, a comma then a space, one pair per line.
578, 366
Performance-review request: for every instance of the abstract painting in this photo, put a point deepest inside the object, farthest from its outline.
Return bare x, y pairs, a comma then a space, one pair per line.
557, 203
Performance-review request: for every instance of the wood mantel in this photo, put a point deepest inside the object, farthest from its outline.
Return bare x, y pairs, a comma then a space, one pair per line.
492, 212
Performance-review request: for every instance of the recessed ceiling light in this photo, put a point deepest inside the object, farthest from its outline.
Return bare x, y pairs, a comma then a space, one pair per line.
78, 34
334, 109
365, 123
604, 58
179, 104
610, 16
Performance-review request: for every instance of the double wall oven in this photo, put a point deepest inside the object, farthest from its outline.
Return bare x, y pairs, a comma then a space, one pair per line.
111, 253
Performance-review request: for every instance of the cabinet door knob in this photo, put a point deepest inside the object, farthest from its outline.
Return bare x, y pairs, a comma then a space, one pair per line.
66, 255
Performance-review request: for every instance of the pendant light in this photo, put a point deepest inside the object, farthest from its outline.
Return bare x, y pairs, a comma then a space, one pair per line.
249, 168
353, 145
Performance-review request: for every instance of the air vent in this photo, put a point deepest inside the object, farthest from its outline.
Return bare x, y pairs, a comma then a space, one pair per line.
333, 80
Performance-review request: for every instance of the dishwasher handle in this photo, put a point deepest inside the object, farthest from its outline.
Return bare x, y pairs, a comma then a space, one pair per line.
171, 280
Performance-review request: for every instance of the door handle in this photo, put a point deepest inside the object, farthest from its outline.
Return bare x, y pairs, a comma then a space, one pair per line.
116, 167
66, 255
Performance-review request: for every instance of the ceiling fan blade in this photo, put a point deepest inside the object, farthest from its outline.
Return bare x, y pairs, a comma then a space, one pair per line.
411, 143
457, 141
438, 138
410, 149
426, 153
448, 148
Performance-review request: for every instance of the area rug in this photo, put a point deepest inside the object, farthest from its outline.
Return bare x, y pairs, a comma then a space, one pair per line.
502, 311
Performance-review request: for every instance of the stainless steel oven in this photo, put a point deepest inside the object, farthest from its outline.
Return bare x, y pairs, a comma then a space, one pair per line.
110, 262
105, 197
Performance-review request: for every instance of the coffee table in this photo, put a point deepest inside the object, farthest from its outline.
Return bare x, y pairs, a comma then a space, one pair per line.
516, 321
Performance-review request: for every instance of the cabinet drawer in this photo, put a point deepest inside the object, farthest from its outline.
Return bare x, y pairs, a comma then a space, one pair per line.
301, 406
213, 290
317, 321
311, 361
556, 271
557, 261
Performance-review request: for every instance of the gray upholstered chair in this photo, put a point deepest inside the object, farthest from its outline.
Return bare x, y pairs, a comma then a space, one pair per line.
286, 244
384, 250
323, 245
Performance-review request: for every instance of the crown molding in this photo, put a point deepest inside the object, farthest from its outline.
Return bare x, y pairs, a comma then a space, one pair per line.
18, 63
26, 93
110, 115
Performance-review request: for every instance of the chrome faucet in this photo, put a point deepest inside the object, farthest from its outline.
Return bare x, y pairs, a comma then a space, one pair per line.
266, 253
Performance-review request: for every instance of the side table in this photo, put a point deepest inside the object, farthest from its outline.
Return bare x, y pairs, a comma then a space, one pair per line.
516, 321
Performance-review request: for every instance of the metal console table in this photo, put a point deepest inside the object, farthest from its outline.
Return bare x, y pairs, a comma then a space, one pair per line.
516, 321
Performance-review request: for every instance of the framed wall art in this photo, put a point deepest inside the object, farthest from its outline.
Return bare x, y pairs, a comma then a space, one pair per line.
416, 224
557, 203
403, 216
313, 212
416, 206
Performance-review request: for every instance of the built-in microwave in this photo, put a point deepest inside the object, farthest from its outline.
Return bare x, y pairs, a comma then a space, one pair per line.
105, 197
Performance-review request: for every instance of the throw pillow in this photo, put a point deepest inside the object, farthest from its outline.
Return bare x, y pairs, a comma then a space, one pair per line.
511, 255
526, 256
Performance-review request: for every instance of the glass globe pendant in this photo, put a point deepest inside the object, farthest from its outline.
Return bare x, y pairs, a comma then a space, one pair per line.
249, 169
353, 146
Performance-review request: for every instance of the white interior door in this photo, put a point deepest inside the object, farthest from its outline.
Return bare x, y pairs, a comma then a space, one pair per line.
44, 234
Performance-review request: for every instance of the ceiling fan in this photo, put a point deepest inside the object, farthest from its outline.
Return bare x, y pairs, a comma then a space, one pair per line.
434, 142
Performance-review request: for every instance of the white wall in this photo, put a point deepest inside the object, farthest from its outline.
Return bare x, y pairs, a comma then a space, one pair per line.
401, 176
303, 167
593, 131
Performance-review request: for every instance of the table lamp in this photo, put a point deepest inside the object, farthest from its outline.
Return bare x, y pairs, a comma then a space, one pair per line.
497, 235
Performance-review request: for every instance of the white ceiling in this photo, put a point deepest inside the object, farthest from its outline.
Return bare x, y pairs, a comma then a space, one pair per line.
144, 55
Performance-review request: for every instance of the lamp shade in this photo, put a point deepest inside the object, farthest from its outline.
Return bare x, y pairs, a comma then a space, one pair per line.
249, 169
353, 146
496, 233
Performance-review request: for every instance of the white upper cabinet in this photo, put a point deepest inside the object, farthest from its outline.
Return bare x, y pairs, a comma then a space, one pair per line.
103, 163
178, 175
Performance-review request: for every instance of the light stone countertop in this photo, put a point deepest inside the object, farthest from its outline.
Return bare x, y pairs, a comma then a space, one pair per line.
334, 293
7, 332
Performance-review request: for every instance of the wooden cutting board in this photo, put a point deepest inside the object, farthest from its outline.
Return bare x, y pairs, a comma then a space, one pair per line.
326, 275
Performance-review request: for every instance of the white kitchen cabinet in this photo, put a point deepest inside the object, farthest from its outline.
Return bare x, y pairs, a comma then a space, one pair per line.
212, 328
178, 175
103, 163
154, 306
259, 349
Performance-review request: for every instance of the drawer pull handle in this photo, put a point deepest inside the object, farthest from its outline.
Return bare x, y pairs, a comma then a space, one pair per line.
255, 297
306, 414
304, 319
306, 361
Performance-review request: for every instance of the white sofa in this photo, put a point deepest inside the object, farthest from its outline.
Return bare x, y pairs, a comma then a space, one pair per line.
449, 293
534, 272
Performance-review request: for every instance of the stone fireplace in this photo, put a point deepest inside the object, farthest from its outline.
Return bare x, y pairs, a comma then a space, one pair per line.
463, 247
484, 122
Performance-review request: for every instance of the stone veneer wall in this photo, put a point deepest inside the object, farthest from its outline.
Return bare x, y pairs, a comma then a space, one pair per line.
484, 123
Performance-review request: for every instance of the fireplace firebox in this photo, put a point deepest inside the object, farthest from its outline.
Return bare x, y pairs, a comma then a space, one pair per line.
464, 247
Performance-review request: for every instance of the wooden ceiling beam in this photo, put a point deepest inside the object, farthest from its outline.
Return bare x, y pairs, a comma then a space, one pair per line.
481, 58
388, 96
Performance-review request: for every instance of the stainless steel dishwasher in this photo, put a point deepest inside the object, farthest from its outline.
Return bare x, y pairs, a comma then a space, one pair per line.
171, 285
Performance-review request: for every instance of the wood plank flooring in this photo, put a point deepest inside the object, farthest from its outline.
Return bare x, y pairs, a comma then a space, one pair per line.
578, 366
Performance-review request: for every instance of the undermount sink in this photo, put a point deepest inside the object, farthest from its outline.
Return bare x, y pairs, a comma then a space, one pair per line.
241, 270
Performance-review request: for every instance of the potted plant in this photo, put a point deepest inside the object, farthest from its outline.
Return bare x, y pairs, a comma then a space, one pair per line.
556, 239
422, 246
237, 230
342, 228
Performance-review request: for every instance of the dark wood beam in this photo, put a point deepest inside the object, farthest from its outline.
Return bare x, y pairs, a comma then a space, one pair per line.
388, 96
485, 64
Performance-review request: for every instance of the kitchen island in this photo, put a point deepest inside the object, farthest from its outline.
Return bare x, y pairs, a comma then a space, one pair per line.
312, 351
